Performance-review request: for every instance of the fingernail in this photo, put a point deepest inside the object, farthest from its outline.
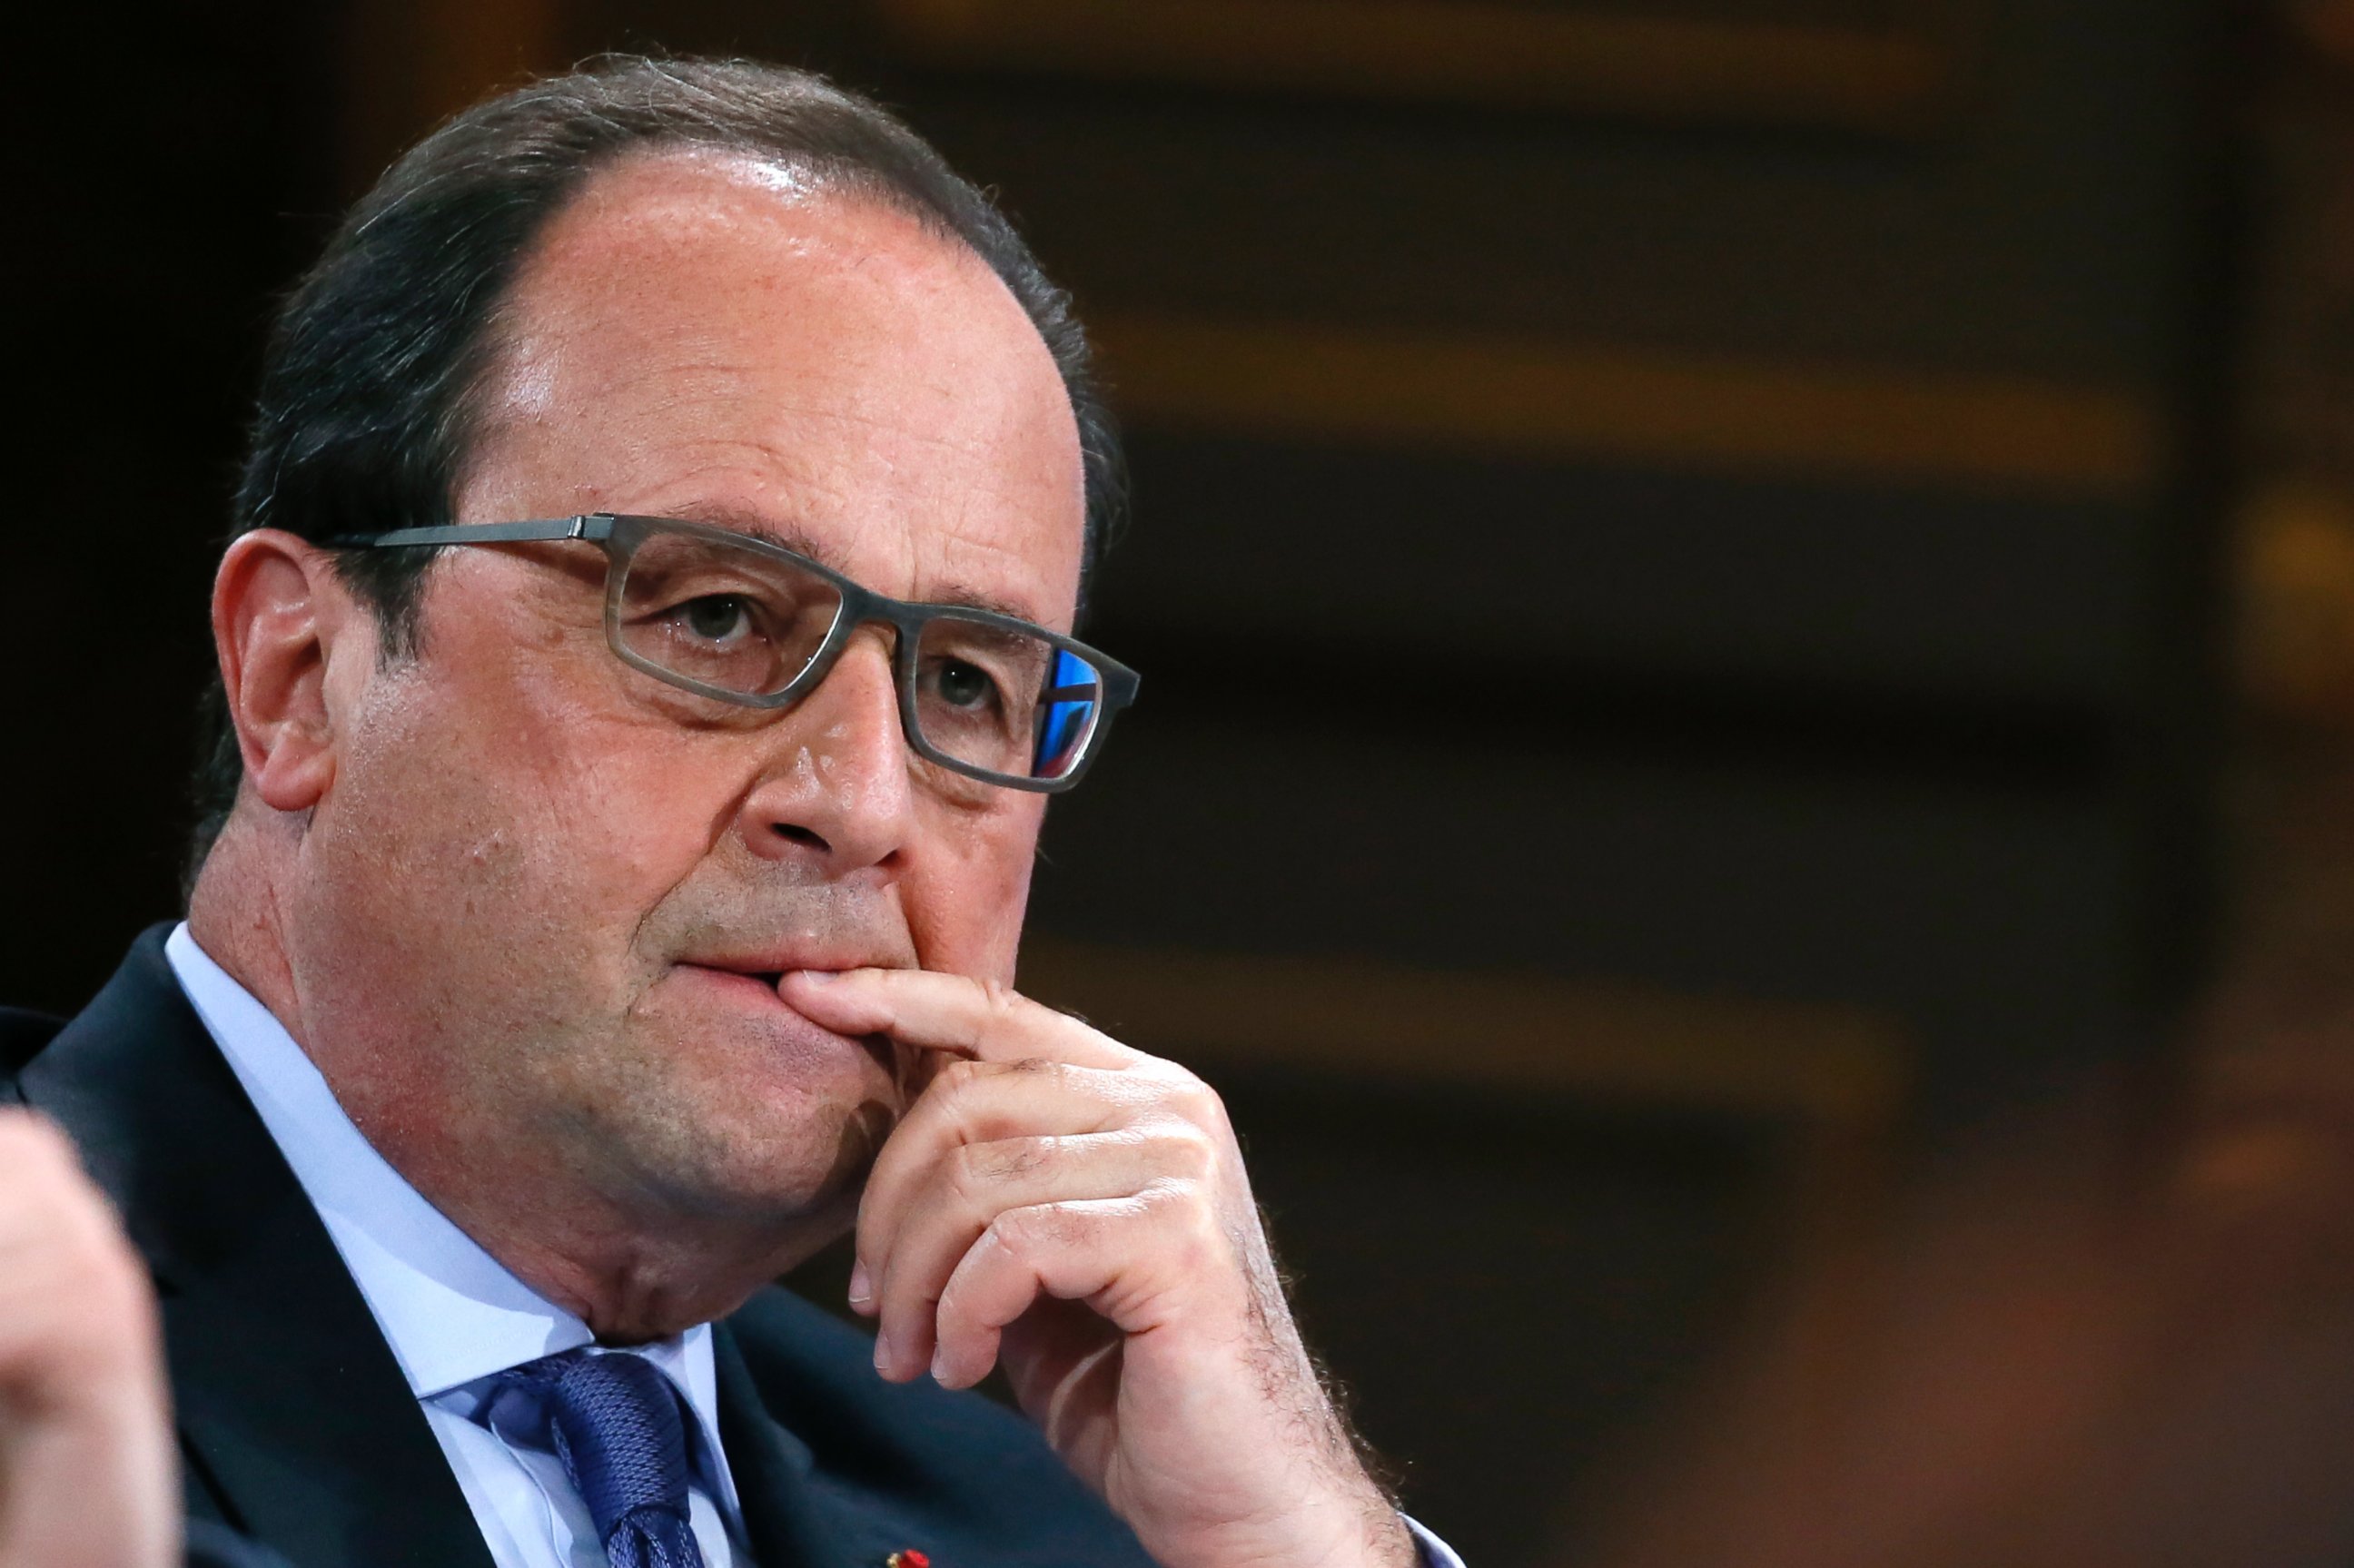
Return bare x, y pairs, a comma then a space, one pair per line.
820, 977
862, 1289
940, 1366
884, 1357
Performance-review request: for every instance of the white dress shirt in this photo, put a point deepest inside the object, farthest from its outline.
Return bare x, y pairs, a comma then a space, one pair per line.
455, 1317
452, 1314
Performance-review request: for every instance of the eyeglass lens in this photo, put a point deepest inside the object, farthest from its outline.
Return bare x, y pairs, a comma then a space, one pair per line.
1003, 701
734, 619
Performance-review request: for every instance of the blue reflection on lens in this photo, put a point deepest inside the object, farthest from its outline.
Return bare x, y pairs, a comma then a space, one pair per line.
1067, 708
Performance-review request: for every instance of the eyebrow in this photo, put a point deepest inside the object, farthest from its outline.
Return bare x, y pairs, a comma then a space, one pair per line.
742, 520
973, 598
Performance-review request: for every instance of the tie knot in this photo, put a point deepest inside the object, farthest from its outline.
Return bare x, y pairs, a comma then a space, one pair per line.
613, 1422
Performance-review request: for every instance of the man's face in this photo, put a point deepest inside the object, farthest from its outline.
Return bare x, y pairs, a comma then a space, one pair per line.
547, 897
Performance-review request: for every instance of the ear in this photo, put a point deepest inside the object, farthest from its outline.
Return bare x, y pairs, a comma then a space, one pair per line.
278, 614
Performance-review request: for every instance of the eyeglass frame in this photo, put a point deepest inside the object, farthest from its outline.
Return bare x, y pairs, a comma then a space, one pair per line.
860, 606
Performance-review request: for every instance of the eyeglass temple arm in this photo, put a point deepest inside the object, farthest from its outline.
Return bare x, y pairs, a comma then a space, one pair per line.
593, 527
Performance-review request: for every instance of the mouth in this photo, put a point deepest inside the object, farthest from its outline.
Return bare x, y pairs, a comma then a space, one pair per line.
757, 988
739, 979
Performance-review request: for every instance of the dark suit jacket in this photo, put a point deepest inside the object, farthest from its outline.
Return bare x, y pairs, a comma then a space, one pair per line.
298, 1430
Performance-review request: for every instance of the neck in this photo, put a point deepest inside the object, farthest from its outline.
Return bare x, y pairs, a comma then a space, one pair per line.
632, 1291
635, 1270
235, 913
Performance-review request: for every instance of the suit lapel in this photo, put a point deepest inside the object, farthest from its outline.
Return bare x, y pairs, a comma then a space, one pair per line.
791, 1520
291, 1407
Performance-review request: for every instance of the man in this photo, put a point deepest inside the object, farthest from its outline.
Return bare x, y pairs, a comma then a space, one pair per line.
644, 659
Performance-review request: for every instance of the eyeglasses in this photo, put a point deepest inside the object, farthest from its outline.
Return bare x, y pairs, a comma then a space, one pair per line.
726, 616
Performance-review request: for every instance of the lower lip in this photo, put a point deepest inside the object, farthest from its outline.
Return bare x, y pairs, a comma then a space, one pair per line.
762, 995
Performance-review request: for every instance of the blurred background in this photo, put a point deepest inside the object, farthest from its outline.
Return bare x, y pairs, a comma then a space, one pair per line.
1806, 547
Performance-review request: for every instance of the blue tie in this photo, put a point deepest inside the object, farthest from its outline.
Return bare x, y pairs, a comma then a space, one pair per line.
613, 1422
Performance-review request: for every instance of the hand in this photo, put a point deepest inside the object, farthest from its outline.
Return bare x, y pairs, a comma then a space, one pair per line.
86, 1473
1079, 1211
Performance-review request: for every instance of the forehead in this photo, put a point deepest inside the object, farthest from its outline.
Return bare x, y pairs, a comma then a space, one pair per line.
704, 335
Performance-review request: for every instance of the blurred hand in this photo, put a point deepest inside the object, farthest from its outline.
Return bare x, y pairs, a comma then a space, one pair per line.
86, 1464
1078, 1210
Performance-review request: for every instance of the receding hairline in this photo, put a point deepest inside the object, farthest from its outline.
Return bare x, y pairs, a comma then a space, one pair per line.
796, 180
811, 181
789, 175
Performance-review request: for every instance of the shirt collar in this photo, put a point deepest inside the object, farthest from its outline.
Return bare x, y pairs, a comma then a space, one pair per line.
452, 1313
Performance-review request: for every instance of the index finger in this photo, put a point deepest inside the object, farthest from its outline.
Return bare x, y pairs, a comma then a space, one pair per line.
976, 1019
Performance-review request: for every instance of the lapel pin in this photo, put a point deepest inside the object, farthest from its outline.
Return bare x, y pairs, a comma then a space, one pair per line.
908, 1557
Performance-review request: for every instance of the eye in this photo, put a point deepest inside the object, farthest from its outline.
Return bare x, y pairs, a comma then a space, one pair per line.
716, 617
963, 685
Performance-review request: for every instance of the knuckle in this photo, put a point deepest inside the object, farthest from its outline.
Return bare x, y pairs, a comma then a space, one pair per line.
1141, 1098
1029, 1234
1190, 1224
964, 1179
964, 1077
1007, 1236
976, 1170
956, 1078
1002, 1005
961, 1106
1019, 1159
1183, 1150
1186, 1094
1202, 1102
1164, 1198
1181, 1213
1197, 1155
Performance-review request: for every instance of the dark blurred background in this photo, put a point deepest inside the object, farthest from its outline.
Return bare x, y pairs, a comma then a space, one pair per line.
1805, 546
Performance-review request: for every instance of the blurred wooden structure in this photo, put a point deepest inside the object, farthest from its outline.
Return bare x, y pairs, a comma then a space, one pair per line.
1676, 568
2297, 527
1892, 77
1557, 403
1841, 1073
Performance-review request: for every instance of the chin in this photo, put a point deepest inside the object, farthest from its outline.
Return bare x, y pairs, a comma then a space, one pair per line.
722, 1103
811, 1163
769, 1151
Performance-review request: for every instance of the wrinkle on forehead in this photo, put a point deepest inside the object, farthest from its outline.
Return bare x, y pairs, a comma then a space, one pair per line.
700, 336
936, 587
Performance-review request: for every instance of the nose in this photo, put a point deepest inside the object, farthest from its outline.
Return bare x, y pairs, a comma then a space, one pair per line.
838, 794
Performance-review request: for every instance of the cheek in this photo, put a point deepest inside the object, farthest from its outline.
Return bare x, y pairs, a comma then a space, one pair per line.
965, 903
503, 798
